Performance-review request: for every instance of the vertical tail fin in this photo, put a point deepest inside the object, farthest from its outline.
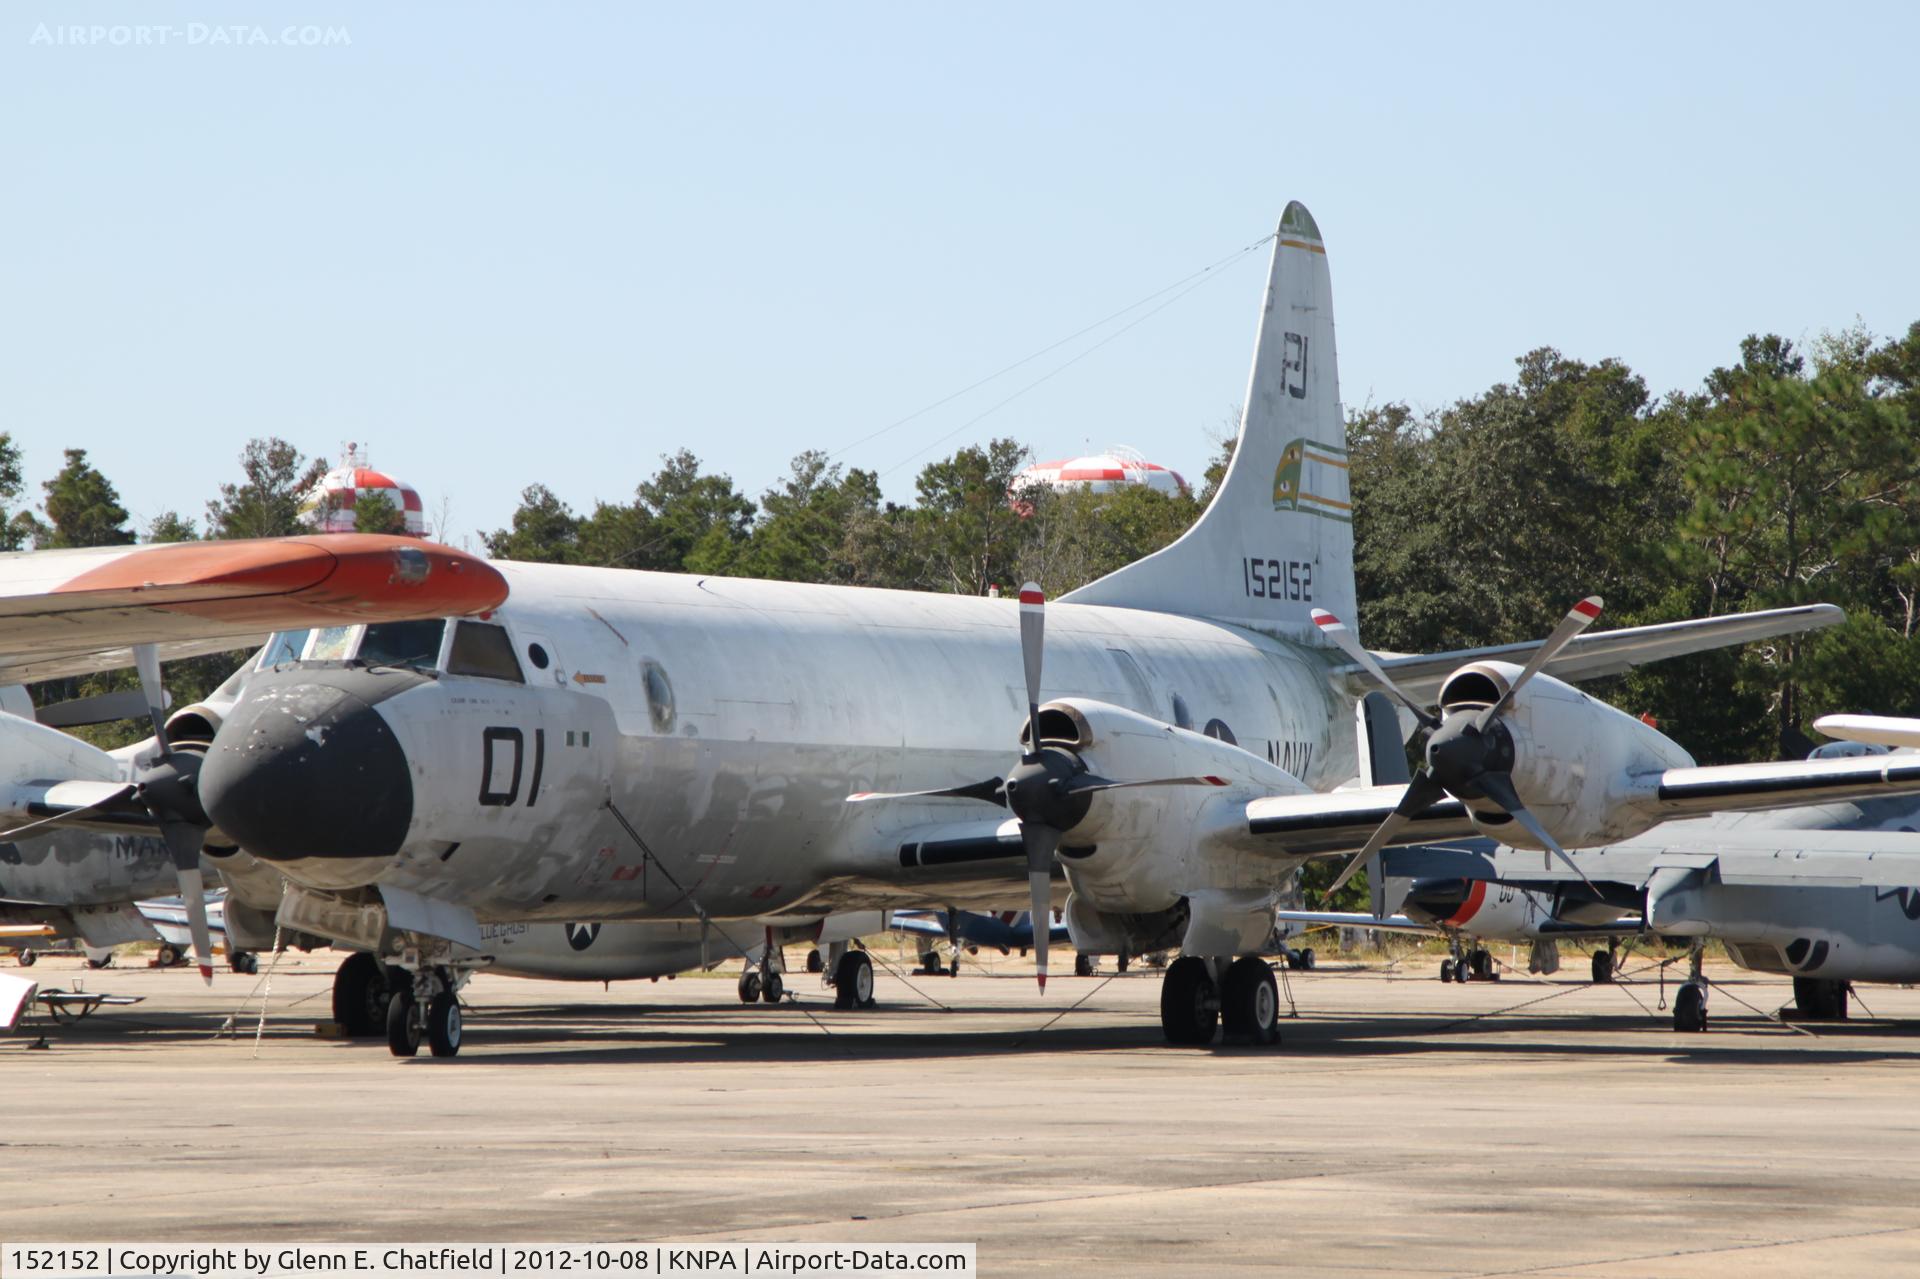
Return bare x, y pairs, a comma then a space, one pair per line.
1277, 539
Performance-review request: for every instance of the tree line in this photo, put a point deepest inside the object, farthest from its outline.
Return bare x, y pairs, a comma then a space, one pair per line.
1788, 477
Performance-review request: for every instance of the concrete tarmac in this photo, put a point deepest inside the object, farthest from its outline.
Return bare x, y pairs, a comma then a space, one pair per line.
1404, 1127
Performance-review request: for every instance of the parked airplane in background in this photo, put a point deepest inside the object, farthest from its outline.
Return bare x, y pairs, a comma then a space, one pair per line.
1828, 894
1468, 912
1004, 931
617, 745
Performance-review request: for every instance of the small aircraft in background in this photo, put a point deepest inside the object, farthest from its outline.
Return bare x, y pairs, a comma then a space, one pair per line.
1468, 912
966, 930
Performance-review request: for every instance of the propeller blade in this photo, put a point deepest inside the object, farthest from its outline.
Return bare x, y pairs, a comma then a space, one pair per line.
183, 841
989, 789
1499, 788
1040, 842
146, 659
1421, 792
1087, 782
1033, 630
1347, 642
1578, 618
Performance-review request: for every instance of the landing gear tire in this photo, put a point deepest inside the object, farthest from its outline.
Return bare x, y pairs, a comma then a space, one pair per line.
1690, 1009
361, 996
1189, 1004
1446, 970
97, 964
245, 962
1307, 959
750, 987
1121, 961
1820, 999
771, 988
930, 965
443, 1025
403, 1024
1083, 965
1250, 1001
167, 956
1482, 964
28, 959
815, 964
853, 981
1602, 967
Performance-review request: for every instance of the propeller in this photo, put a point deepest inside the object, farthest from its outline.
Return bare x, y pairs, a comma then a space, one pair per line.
1469, 755
1049, 791
167, 785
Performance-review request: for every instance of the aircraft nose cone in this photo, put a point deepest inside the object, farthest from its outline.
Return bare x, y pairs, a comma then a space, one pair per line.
306, 766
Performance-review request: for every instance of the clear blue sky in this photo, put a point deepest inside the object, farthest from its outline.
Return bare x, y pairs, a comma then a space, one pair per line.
507, 243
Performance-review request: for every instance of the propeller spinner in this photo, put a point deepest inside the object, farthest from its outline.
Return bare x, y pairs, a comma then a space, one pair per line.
1049, 791
1469, 754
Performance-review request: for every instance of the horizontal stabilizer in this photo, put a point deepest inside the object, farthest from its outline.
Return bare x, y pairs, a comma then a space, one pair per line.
1594, 655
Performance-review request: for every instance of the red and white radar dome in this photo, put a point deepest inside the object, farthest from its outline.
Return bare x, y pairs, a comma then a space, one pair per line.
1102, 473
331, 504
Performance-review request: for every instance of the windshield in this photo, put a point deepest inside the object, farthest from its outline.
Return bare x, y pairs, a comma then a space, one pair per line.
283, 647
415, 644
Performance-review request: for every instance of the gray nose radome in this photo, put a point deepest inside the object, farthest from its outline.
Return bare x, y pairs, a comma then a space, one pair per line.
307, 767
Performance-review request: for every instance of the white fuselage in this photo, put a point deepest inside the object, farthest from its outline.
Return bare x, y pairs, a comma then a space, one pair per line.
728, 720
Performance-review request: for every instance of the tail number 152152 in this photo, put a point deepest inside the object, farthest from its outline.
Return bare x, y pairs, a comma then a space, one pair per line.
1277, 579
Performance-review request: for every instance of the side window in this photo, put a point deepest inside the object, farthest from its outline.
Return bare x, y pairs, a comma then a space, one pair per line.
484, 650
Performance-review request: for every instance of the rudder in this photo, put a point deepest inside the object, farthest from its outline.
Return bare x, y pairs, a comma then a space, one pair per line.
1277, 540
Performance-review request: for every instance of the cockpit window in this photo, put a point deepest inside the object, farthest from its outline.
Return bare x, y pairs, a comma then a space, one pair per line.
484, 650
331, 643
415, 644
283, 647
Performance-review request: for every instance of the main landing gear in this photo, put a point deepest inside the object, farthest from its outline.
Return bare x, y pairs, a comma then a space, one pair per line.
1468, 964
1199, 994
853, 981
429, 1009
1605, 963
1820, 998
762, 981
1690, 1002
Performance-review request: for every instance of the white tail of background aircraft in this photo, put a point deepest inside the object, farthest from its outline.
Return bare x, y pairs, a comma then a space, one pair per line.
1278, 539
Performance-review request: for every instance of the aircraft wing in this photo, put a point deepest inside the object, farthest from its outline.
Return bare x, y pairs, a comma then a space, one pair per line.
1335, 822
1353, 919
1594, 655
1784, 858
71, 612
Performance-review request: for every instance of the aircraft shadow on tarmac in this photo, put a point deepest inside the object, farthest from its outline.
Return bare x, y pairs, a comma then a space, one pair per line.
666, 1034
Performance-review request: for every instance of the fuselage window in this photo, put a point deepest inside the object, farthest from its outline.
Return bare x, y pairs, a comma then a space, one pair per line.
331, 644
537, 655
283, 647
483, 650
659, 695
415, 644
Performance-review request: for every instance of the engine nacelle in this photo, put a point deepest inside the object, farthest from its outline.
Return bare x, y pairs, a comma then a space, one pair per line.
1098, 932
1581, 766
